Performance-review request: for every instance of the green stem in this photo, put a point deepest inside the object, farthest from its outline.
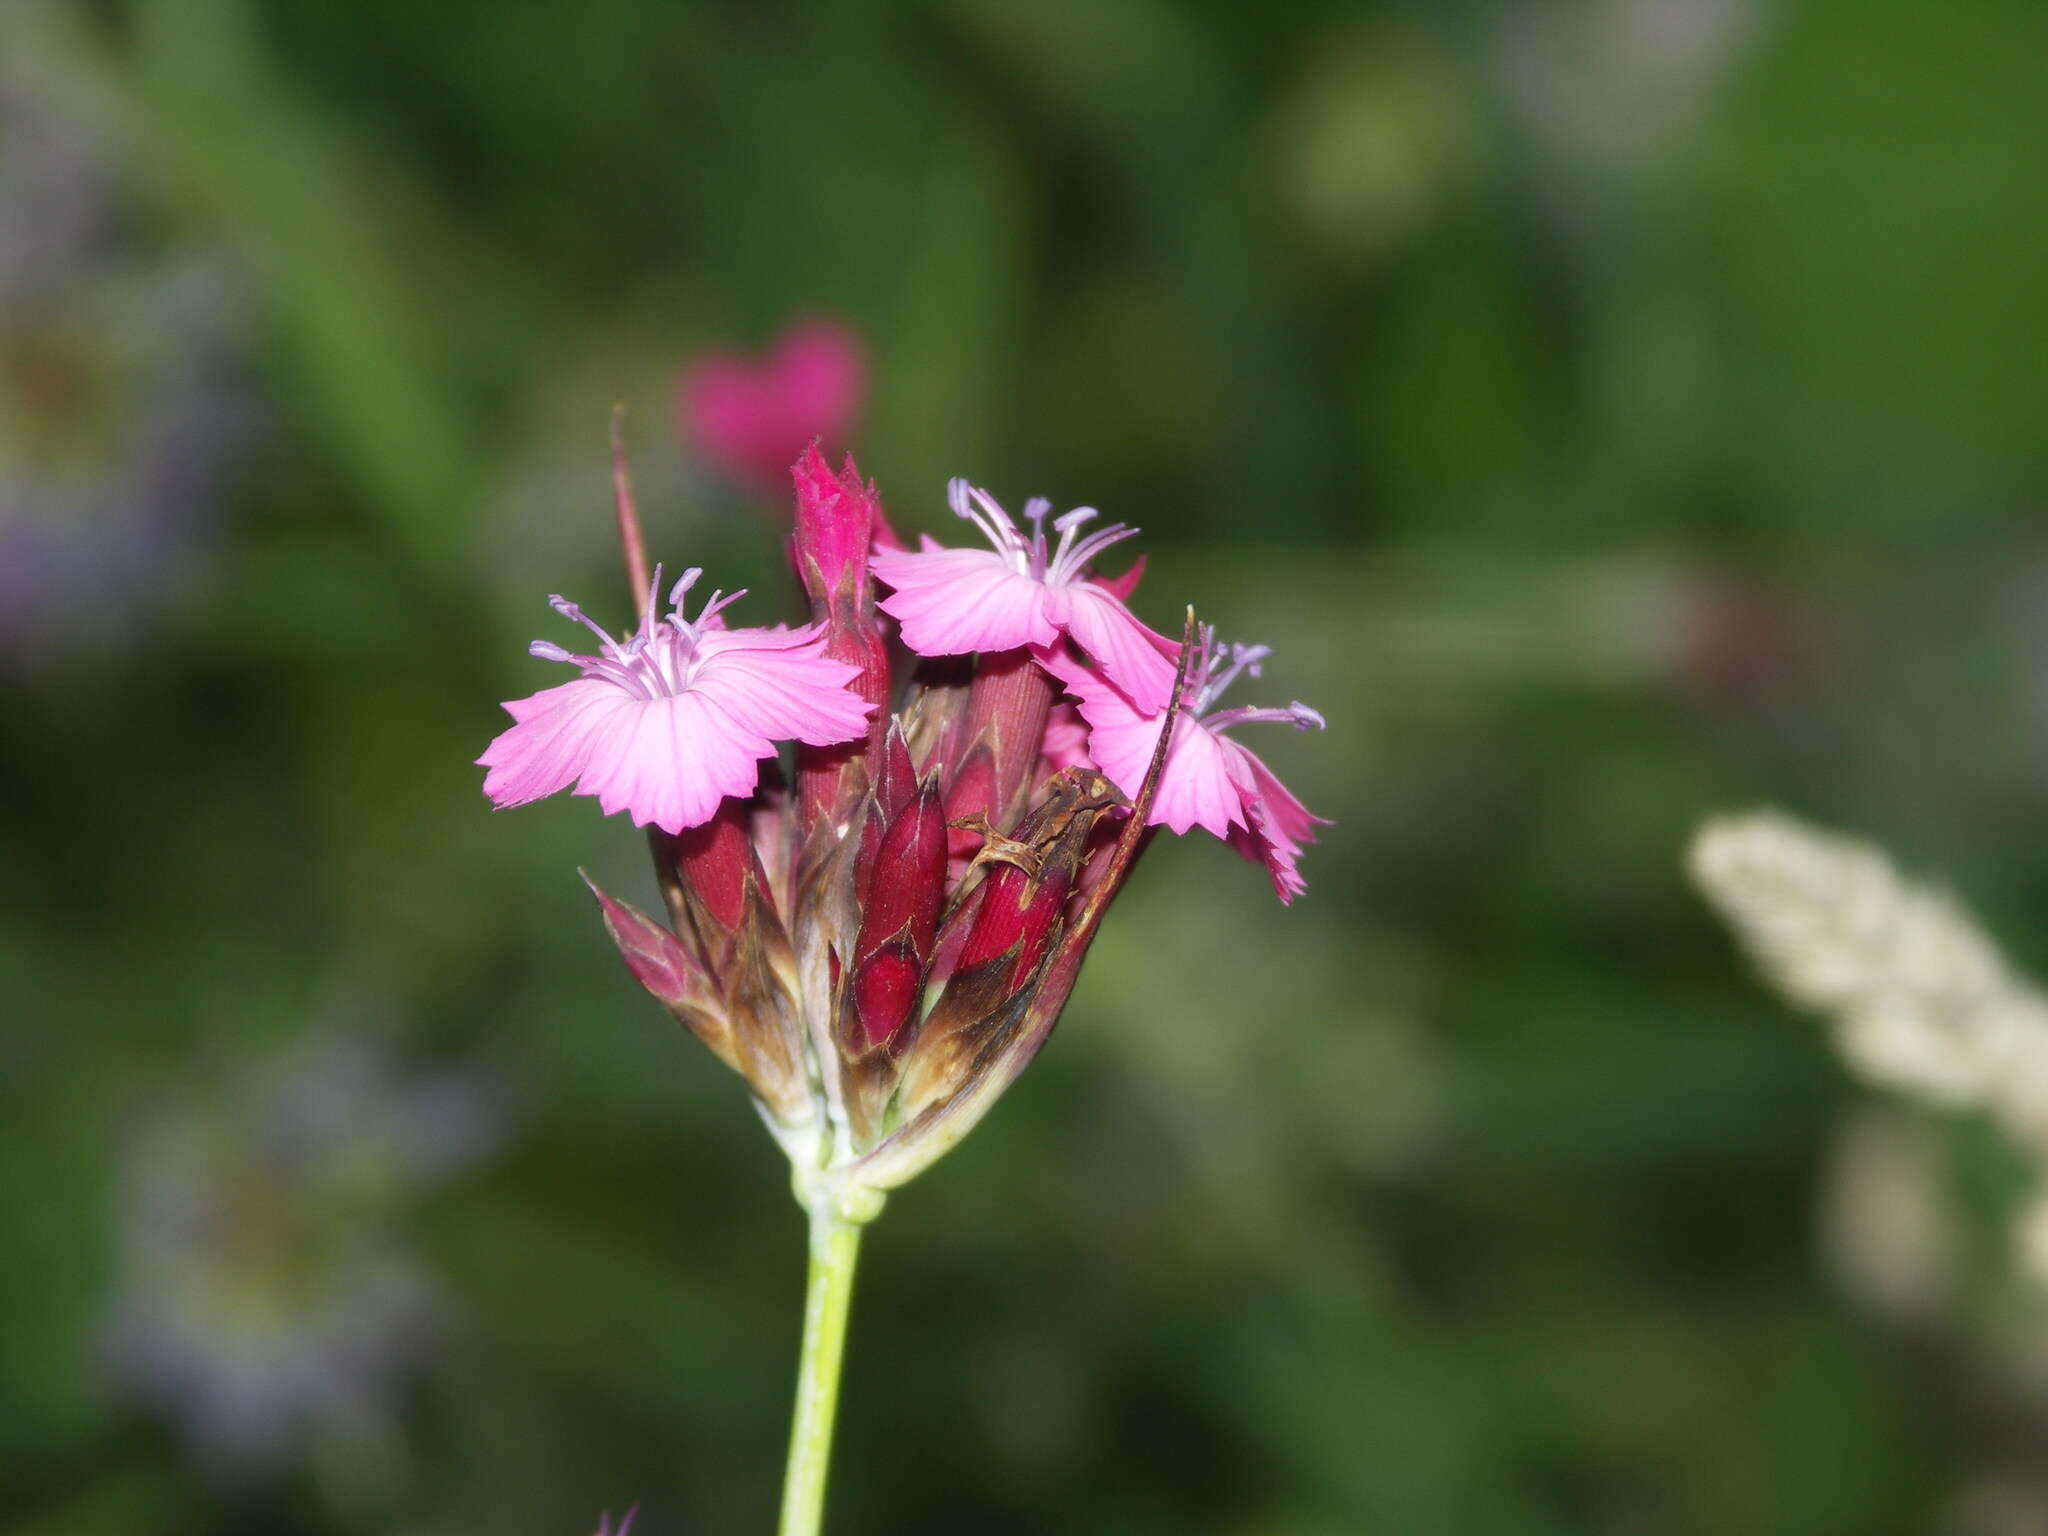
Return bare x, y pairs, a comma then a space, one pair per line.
835, 1244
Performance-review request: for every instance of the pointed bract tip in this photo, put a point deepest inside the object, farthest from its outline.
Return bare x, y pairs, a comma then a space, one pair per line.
654, 955
835, 521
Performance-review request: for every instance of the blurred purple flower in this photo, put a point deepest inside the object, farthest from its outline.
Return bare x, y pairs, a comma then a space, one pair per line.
262, 1297
751, 418
119, 411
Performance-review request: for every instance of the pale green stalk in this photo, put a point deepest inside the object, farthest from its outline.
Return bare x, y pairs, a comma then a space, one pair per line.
835, 1244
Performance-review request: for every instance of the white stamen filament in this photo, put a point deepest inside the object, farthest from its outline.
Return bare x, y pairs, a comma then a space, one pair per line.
1218, 673
658, 660
1063, 565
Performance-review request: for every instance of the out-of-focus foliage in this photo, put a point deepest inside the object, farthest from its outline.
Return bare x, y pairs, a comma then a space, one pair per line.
1609, 410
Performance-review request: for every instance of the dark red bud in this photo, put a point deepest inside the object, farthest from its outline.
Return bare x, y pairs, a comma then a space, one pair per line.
973, 793
896, 781
713, 861
1016, 911
901, 919
1007, 706
909, 883
886, 988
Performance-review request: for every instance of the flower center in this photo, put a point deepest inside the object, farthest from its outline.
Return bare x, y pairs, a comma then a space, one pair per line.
1056, 565
1215, 667
657, 659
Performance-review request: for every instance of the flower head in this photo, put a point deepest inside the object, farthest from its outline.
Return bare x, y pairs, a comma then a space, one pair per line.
749, 418
1024, 591
667, 723
1210, 780
880, 947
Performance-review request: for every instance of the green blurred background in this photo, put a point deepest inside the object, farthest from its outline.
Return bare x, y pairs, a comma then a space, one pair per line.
1611, 411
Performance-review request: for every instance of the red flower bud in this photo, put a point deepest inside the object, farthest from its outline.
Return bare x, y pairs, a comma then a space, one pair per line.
713, 862
901, 919
886, 987
835, 525
1000, 741
1017, 912
896, 779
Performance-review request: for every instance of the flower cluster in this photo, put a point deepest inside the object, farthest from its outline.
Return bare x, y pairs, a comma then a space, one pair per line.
880, 947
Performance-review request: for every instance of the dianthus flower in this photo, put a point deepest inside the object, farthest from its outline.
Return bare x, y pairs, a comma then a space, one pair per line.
668, 724
1022, 592
882, 945
1210, 781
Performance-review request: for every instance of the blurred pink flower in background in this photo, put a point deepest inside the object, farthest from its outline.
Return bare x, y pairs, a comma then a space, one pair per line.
749, 418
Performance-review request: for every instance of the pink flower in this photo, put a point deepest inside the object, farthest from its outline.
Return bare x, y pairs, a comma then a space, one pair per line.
1210, 781
751, 419
952, 601
667, 724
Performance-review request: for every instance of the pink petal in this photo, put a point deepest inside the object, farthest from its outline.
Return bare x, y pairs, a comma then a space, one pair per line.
670, 761
1136, 659
1121, 587
949, 602
1287, 816
1280, 824
551, 740
779, 686
1066, 739
1279, 858
1201, 783
1198, 788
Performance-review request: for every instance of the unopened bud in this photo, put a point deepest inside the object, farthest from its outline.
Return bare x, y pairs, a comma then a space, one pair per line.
895, 782
1011, 932
900, 922
835, 525
1000, 742
835, 522
713, 862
